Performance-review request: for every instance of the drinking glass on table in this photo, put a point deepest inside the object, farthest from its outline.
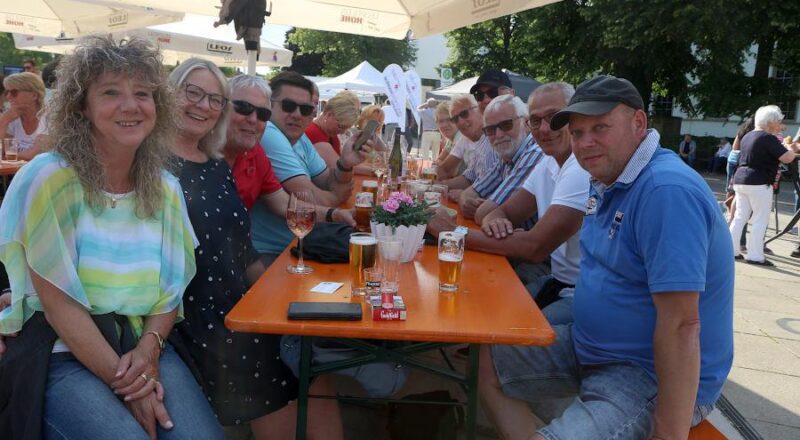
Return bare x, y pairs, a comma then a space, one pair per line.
365, 203
363, 253
390, 248
300, 217
451, 255
10, 148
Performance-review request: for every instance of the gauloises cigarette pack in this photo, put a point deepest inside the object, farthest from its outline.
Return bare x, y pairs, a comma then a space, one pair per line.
397, 313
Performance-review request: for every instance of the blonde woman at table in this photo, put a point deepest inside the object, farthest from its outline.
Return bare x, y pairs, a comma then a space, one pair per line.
99, 250
338, 115
25, 94
371, 112
242, 374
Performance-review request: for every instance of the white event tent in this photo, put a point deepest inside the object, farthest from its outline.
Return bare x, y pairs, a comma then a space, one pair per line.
362, 78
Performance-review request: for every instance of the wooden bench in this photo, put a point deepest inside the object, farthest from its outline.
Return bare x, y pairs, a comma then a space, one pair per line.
705, 431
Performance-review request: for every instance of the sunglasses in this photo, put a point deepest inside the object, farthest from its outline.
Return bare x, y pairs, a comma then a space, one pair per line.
479, 95
196, 94
244, 108
534, 122
506, 126
461, 115
289, 106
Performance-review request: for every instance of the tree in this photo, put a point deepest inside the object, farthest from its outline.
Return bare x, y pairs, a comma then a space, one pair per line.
341, 52
304, 63
12, 56
666, 48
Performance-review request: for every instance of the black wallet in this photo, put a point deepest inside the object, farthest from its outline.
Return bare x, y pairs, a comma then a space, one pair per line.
336, 311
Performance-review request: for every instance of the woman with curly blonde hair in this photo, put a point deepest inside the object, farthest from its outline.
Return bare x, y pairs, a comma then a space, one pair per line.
338, 115
99, 250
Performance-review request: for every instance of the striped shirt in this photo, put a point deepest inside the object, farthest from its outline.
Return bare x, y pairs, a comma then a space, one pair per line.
483, 159
500, 182
110, 261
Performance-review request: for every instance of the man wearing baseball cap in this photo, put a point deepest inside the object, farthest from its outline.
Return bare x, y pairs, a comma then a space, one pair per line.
653, 305
491, 83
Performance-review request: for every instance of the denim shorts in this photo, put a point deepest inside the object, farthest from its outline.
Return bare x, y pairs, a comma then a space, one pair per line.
614, 400
379, 379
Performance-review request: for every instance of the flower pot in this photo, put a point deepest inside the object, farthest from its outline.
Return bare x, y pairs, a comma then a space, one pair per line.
411, 236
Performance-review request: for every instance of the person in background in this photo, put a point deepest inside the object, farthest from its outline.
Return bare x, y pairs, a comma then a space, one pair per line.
371, 112
687, 150
99, 285
338, 115
491, 83
761, 152
29, 66
390, 120
720, 156
733, 162
23, 120
430, 139
49, 78
450, 135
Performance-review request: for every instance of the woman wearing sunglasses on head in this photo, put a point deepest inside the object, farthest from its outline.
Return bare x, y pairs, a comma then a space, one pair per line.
25, 94
242, 374
339, 114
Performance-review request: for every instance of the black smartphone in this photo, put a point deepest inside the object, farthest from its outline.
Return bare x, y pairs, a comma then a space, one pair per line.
367, 133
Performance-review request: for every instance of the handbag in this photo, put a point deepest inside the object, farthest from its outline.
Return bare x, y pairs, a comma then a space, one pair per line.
327, 243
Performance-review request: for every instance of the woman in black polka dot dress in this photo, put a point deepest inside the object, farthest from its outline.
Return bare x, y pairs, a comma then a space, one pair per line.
241, 373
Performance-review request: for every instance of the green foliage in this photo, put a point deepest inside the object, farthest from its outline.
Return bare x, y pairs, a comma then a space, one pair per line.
10, 55
341, 52
303, 63
692, 50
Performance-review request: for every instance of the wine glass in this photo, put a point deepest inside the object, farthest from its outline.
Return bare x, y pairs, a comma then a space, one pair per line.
300, 217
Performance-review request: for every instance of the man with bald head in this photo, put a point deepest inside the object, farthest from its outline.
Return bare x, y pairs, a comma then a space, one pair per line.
656, 262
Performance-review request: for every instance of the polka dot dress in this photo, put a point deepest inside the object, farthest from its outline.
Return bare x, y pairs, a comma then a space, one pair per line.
242, 373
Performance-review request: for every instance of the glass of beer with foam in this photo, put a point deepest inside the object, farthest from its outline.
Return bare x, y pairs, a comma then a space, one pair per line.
451, 254
364, 206
363, 253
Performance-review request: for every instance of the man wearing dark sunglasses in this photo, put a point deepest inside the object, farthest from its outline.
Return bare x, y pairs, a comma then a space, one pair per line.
505, 126
296, 163
473, 148
252, 170
491, 84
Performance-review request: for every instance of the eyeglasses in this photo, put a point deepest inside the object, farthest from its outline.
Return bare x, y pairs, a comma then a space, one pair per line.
195, 94
12, 92
27, 68
244, 108
534, 122
479, 95
289, 106
462, 114
506, 126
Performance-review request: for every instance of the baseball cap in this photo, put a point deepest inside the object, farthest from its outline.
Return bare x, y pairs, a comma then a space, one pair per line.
599, 96
492, 77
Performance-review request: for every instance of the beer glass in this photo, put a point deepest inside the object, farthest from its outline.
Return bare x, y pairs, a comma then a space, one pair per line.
363, 252
429, 173
414, 163
451, 254
10, 148
442, 190
301, 214
364, 207
372, 187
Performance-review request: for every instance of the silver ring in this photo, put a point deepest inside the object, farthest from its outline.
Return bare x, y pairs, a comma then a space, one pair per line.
143, 376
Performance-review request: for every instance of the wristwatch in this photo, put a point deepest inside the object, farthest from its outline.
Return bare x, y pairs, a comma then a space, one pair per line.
463, 230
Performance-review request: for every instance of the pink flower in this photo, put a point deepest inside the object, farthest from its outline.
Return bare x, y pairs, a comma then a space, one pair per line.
405, 198
391, 205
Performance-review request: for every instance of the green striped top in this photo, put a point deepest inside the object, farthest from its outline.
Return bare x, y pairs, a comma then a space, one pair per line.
107, 262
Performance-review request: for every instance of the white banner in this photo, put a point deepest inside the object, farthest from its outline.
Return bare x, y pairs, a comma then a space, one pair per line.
413, 89
395, 81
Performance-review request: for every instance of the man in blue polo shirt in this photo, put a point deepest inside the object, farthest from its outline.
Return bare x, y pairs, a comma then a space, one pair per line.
652, 340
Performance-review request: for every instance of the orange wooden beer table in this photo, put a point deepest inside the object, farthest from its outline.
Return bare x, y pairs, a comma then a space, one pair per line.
490, 307
10, 167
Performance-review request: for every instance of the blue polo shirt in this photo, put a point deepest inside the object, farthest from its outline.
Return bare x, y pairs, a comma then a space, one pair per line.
657, 229
270, 233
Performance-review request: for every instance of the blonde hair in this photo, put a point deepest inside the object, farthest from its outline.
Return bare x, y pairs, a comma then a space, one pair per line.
28, 82
463, 99
442, 109
214, 141
371, 111
71, 131
344, 107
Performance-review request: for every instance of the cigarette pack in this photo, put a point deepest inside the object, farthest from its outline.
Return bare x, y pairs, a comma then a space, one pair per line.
398, 313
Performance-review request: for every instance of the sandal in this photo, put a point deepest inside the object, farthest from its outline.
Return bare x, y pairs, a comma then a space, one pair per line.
760, 263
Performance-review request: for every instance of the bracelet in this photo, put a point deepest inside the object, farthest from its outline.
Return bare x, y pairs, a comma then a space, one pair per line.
161, 342
341, 167
329, 215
